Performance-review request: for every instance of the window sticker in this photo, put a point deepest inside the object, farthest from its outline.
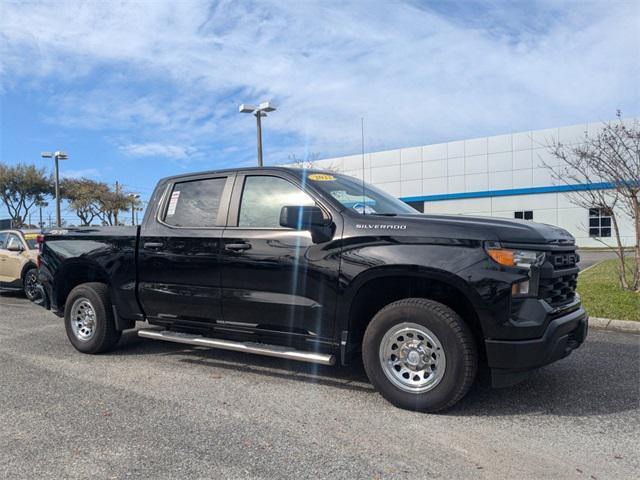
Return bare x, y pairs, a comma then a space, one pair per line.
173, 203
348, 200
30, 236
321, 177
362, 208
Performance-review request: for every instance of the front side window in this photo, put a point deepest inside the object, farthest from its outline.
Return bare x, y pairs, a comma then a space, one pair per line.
3, 239
195, 203
599, 223
263, 198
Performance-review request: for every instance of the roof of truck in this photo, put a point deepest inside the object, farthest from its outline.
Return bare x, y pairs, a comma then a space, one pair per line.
294, 170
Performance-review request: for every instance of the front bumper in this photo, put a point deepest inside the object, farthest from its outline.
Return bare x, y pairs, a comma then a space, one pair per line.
509, 359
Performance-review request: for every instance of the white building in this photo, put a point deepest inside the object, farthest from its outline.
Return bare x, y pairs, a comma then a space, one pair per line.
499, 176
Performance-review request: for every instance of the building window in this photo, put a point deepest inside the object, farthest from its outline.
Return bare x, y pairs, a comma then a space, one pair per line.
599, 223
524, 215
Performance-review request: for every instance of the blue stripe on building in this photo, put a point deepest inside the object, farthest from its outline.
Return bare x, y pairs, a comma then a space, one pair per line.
510, 192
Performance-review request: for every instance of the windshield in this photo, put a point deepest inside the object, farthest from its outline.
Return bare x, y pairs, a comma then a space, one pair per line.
32, 240
351, 193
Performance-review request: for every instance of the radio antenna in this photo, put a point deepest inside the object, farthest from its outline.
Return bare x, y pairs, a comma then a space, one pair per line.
364, 204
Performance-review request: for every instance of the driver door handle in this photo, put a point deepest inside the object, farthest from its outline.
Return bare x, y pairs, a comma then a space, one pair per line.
153, 245
237, 247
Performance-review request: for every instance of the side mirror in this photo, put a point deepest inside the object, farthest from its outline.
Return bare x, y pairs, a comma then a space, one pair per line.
14, 246
307, 218
302, 218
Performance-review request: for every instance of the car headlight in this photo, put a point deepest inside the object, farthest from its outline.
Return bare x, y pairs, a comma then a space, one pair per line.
515, 258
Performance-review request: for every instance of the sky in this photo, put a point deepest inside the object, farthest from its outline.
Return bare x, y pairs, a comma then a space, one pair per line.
134, 91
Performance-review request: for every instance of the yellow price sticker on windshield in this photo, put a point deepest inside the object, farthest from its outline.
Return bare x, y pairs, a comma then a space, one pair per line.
30, 236
321, 177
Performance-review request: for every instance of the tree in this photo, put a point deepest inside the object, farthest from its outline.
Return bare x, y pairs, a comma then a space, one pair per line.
111, 204
609, 158
21, 186
310, 162
84, 197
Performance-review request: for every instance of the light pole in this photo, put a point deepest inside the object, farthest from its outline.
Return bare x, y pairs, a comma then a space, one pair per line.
134, 198
259, 112
58, 155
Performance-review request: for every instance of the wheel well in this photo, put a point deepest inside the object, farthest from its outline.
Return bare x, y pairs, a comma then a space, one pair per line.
379, 292
74, 276
28, 266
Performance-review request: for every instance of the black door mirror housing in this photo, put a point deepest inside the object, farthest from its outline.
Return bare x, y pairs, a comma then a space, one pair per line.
302, 217
309, 218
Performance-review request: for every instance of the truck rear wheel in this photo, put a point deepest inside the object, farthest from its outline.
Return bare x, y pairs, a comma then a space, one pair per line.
88, 319
420, 355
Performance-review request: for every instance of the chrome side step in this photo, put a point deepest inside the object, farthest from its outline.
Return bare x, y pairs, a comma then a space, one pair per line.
247, 347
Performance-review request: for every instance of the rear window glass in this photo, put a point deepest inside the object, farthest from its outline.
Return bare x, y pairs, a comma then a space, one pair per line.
195, 203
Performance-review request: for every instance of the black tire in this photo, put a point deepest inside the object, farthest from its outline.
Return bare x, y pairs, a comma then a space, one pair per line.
30, 282
455, 338
104, 335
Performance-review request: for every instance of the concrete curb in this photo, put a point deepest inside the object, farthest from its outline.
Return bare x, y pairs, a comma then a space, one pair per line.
627, 326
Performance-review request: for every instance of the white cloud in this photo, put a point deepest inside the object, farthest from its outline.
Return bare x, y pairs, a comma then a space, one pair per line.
82, 173
176, 152
174, 72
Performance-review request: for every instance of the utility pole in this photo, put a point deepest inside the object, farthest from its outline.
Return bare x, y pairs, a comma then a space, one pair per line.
115, 212
57, 155
134, 199
259, 112
41, 204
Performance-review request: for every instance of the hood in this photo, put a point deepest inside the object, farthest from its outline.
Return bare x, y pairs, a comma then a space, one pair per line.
472, 228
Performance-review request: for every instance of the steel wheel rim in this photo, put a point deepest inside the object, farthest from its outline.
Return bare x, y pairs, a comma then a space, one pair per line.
412, 357
83, 319
30, 283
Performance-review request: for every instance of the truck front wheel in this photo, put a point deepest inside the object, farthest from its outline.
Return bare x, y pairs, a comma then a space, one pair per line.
30, 283
420, 355
88, 319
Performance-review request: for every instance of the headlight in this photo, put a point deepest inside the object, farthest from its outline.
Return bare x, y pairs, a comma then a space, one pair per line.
515, 258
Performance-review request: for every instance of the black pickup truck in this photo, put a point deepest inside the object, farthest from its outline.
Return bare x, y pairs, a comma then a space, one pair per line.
319, 267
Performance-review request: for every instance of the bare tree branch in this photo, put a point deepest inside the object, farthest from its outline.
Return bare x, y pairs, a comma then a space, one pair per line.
610, 156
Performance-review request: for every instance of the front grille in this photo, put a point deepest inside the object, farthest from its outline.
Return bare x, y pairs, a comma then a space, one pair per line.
564, 260
558, 278
560, 290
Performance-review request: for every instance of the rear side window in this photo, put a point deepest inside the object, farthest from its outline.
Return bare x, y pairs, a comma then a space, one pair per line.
195, 203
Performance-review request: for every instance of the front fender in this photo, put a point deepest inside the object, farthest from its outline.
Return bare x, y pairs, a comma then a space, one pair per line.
375, 257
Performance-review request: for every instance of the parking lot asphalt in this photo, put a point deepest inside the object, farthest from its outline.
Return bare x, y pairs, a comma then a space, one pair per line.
159, 410
591, 257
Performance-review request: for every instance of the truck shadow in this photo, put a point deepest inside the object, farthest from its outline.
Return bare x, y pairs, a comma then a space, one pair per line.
348, 378
601, 378
12, 294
